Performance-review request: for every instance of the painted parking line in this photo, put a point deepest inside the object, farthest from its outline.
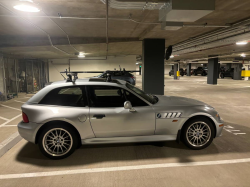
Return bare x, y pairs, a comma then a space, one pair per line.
122, 168
10, 120
7, 144
8, 126
231, 129
19, 101
11, 107
4, 118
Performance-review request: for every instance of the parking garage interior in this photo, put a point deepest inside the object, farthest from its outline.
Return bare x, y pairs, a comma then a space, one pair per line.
184, 48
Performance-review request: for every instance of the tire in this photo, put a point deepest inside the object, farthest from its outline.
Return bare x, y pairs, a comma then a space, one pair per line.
189, 135
170, 74
60, 148
222, 76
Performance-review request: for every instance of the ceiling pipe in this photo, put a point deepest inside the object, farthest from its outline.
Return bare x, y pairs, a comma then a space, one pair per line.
60, 29
37, 27
116, 19
233, 28
107, 27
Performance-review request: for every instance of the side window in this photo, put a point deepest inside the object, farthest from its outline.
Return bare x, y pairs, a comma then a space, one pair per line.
117, 74
67, 96
135, 101
106, 96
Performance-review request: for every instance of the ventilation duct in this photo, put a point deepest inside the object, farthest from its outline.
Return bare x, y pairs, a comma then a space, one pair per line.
186, 10
172, 13
142, 5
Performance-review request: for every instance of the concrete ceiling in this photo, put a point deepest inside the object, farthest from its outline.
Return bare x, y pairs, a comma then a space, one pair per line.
19, 37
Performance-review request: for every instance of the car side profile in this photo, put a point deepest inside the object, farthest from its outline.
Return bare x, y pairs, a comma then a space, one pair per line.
200, 71
182, 72
64, 115
120, 75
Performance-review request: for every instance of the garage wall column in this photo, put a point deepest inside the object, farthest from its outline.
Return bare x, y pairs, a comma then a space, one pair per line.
237, 71
189, 69
175, 71
212, 71
218, 70
153, 51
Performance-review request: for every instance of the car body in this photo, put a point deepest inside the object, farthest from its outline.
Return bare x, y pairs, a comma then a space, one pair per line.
182, 72
120, 75
200, 71
227, 73
191, 72
93, 111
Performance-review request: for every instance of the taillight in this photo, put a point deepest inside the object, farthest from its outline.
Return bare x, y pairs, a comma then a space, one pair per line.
25, 118
132, 77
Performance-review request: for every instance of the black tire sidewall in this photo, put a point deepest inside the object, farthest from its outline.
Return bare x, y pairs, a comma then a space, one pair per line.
63, 126
184, 130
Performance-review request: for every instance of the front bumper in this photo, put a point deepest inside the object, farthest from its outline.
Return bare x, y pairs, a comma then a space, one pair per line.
28, 130
219, 124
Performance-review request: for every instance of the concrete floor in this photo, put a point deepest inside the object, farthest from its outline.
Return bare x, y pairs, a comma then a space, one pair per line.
229, 97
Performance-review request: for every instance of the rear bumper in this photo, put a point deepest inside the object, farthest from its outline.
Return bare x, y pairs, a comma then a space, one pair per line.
28, 130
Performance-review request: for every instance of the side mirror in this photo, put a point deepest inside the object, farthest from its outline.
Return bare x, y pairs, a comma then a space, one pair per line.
128, 105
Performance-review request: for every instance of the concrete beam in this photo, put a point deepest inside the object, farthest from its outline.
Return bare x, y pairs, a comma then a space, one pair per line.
17, 41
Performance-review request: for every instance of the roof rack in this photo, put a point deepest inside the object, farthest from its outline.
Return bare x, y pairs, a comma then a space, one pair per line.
73, 75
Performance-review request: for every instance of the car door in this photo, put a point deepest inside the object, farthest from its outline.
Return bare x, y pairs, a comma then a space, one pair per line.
108, 117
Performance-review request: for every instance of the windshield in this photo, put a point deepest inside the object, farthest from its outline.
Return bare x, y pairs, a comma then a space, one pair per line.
150, 98
103, 75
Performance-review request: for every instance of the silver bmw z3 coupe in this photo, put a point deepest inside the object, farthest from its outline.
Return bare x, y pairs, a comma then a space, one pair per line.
64, 115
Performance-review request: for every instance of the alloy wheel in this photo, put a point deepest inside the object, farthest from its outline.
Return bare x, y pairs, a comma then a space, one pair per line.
57, 142
198, 134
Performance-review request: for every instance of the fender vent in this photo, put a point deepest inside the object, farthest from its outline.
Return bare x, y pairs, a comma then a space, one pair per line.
169, 115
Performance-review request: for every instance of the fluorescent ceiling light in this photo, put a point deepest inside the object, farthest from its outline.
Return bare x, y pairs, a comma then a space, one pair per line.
137, 63
81, 55
243, 55
242, 43
26, 8
27, 1
172, 56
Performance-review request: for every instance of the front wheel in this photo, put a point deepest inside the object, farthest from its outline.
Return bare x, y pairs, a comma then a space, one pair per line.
57, 141
198, 133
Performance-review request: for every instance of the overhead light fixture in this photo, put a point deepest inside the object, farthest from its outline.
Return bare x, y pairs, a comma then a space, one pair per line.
172, 56
31, 1
242, 43
81, 55
243, 55
137, 63
26, 8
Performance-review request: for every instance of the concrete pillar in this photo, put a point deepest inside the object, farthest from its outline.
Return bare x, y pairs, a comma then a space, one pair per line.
237, 71
229, 66
153, 52
218, 70
175, 71
212, 71
247, 68
172, 67
189, 69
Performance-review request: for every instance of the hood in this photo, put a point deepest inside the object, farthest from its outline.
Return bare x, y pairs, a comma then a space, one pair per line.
177, 101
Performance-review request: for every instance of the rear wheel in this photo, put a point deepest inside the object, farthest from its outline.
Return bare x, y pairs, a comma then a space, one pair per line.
198, 133
57, 141
169, 74
222, 75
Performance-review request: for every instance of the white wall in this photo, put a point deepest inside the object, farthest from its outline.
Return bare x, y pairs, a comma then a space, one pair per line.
167, 69
57, 65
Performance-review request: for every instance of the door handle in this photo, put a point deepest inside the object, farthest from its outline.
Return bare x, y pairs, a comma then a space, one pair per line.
99, 116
